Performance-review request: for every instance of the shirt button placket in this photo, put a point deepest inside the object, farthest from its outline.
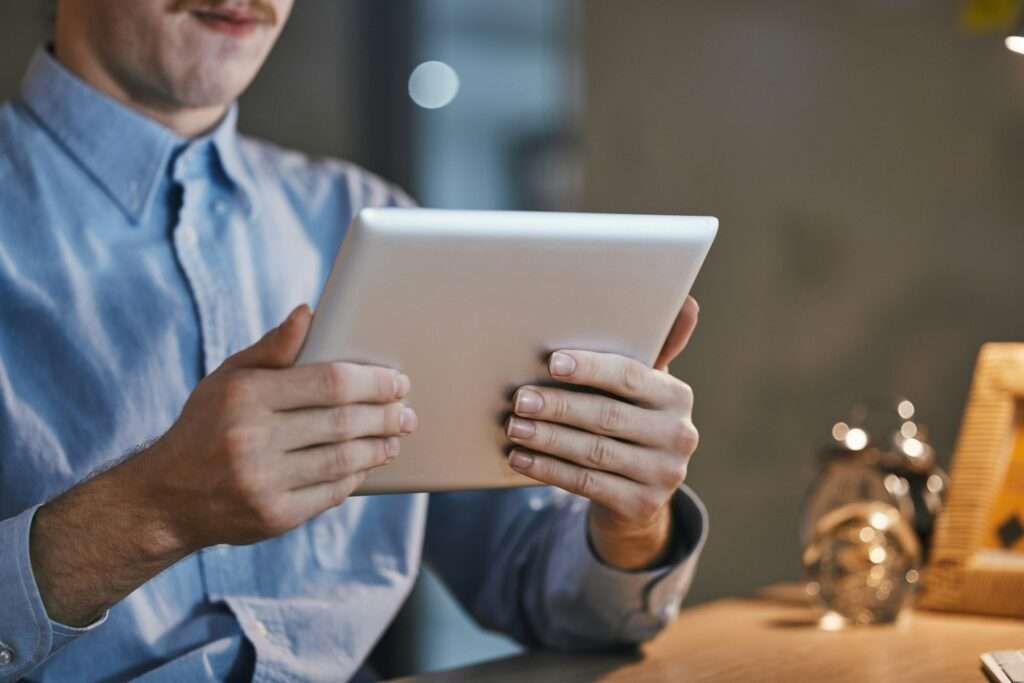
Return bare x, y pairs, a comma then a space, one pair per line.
197, 270
188, 236
186, 241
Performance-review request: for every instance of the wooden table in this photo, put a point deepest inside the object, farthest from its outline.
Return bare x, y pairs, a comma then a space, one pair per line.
773, 637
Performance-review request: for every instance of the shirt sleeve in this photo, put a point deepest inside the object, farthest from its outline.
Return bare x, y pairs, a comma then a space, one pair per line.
519, 561
27, 635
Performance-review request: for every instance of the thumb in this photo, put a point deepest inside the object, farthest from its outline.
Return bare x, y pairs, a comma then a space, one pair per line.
680, 333
279, 347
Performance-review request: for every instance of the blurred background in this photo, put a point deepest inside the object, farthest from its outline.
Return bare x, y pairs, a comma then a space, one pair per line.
866, 160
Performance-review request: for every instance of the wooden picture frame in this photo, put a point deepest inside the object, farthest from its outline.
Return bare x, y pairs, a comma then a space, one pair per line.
977, 557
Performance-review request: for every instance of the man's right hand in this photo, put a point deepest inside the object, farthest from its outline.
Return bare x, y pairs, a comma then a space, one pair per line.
260, 447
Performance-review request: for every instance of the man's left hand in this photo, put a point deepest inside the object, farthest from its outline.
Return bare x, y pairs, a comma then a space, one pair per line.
627, 454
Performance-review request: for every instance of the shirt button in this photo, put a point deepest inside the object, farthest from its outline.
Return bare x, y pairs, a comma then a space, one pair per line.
187, 235
6, 655
670, 611
261, 629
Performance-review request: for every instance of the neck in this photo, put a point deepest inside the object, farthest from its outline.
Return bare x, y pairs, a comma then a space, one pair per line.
184, 121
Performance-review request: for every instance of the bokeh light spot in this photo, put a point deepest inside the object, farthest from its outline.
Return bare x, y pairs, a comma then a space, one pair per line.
433, 85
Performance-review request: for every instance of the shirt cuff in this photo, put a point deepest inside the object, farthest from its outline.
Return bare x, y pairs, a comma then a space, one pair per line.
27, 635
646, 601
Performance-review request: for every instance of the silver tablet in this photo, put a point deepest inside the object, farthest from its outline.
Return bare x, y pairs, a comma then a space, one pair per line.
470, 304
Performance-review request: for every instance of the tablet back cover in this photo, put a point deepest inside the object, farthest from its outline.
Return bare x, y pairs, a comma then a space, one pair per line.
470, 304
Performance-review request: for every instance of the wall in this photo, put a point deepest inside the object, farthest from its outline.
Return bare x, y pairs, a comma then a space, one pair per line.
867, 163
23, 25
304, 97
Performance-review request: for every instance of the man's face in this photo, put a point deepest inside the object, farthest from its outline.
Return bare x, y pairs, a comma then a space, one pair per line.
178, 53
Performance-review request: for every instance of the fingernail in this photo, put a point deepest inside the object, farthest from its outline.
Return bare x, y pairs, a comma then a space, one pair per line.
561, 364
519, 460
521, 429
528, 401
391, 446
402, 385
407, 422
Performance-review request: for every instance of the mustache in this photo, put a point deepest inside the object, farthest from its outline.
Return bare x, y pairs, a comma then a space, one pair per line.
263, 10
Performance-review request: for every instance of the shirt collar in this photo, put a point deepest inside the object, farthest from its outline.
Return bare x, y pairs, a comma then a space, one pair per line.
225, 141
125, 152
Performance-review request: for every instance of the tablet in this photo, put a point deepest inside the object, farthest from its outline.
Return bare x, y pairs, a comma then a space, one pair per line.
469, 304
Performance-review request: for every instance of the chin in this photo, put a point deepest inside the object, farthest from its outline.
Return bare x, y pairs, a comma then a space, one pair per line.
214, 71
210, 86
208, 95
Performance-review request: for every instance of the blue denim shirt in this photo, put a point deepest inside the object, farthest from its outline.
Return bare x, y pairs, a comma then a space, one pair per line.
132, 262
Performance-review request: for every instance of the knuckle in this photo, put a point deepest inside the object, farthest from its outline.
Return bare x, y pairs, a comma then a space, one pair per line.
683, 392
342, 419
339, 463
600, 454
239, 441
586, 483
246, 482
559, 403
681, 470
634, 376
335, 382
552, 440
683, 438
386, 383
585, 366
391, 419
238, 388
382, 453
674, 473
611, 416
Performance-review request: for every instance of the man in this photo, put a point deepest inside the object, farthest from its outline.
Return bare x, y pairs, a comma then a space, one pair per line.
145, 247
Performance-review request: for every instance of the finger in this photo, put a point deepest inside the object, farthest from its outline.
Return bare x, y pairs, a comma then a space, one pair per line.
617, 493
333, 462
312, 500
598, 415
618, 375
679, 335
279, 347
303, 428
329, 384
642, 465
